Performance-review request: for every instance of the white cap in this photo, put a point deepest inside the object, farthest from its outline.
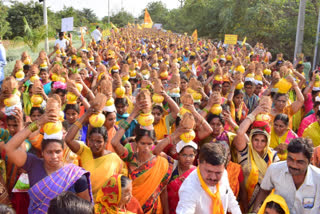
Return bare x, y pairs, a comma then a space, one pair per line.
183, 144
111, 108
56, 136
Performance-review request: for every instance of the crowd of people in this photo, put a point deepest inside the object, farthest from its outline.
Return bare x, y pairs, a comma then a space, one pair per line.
145, 121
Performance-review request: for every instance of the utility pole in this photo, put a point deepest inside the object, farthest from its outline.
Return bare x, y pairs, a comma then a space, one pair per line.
181, 3
45, 22
108, 11
300, 28
316, 45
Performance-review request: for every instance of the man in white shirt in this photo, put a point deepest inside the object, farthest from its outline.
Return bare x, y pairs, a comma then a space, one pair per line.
3, 62
193, 196
96, 34
63, 43
296, 180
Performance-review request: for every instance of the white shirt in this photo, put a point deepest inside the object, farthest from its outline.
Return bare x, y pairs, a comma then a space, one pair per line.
193, 198
279, 178
62, 43
96, 34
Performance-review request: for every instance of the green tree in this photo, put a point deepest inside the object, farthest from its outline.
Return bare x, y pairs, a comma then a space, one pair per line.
16, 12
32, 36
158, 12
122, 18
88, 15
4, 24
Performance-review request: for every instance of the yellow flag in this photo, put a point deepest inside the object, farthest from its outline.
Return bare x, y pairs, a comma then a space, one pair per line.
147, 19
139, 27
244, 41
114, 27
195, 35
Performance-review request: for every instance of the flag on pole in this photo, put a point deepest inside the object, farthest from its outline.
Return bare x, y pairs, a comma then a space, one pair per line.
82, 34
139, 27
114, 27
244, 41
195, 35
147, 19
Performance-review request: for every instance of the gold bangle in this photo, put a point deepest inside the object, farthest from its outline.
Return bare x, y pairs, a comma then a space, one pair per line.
33, 127
78, 124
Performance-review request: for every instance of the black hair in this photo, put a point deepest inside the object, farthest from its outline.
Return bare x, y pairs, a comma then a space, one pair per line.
106, 113
159, 108
141, 132
69, 203
73, 107
122, 101
100, 130
248, 83
308, 58
275, 206
299, 65
214, 85
46, 142
60, 90
301, 145
26, 67
184, 77
316, 104
237, 92
277, 95
61, 34
43, 70
11, 117
124, 181
33, 109
5, 209
194, 150
97, 26
213, 153
283, 117
213, 116
314, 93
192, 57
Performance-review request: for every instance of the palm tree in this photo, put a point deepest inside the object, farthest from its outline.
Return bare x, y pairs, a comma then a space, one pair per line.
32, 36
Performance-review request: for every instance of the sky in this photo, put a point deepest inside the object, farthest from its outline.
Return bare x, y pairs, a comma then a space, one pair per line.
100, 7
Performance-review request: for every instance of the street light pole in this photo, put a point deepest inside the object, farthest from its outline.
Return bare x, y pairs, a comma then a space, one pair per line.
300, 29
316, 45
45, 22
108, 11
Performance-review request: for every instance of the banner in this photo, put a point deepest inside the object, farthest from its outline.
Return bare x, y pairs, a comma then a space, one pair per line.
230, 39
67, 24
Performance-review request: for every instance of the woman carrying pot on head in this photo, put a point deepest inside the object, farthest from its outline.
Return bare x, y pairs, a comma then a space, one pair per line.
254, 152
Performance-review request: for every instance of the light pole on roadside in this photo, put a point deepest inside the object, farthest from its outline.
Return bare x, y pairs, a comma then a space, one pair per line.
316, 45
300, 29
108, 11
45, 22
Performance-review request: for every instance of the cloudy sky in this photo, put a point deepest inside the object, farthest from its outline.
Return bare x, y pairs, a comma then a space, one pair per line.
100, 7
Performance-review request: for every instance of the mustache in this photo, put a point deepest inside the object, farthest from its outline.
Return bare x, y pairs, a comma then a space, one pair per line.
294, 169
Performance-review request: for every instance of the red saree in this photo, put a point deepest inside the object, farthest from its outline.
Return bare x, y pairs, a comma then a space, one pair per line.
173, 190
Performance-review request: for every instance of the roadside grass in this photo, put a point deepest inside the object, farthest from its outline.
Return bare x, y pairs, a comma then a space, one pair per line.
15, 49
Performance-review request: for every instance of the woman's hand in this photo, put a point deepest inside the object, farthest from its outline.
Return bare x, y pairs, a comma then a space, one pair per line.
190, 107
227, 116
45, 118
281, 148
179, 131
18, 115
